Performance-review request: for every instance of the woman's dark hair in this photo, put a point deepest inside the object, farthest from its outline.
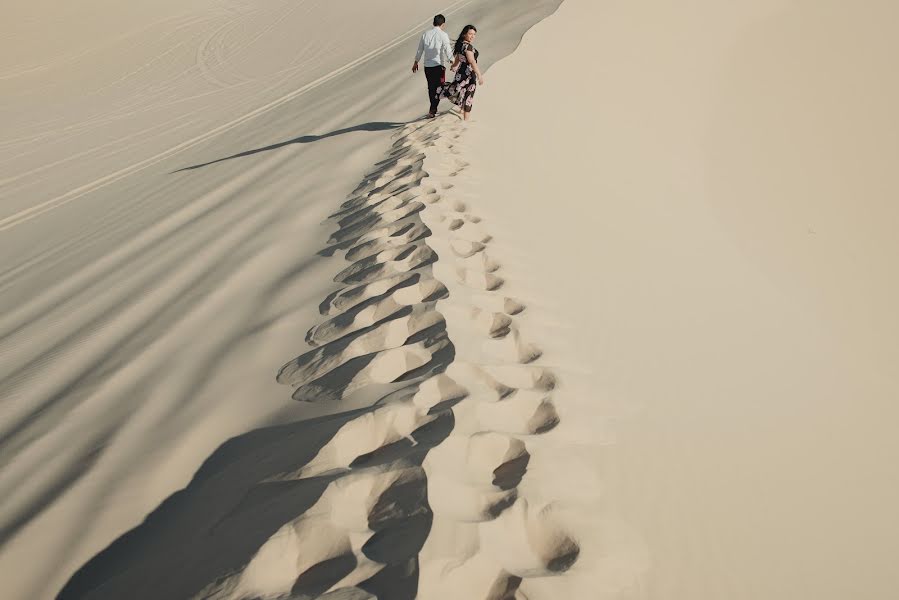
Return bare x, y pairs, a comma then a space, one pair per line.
439, 20
461, 39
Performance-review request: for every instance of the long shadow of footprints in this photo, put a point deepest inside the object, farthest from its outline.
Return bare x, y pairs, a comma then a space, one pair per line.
410, 244
413, 497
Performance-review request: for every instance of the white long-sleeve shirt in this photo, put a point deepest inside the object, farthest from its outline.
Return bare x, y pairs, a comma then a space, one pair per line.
435, 46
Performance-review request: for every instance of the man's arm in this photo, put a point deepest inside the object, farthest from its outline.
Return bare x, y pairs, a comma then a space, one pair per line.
447, 49
421, 50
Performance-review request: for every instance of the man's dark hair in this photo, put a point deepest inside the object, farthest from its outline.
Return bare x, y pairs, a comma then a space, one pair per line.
439, 20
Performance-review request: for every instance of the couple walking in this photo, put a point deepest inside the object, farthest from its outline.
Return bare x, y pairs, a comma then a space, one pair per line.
435, 47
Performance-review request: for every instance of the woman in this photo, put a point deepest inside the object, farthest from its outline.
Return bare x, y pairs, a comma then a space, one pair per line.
468, 76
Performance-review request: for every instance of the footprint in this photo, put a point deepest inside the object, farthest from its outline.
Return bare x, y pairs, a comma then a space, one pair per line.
512, 349
388, 335
437, 393
465, 249
480, 385
386, 183
370, 210
525, 413
407, 159
521, 376
484, 460
328, 543
466, 230
419, 359
368, 313
295, 549
391, 236
462, 504
491, 324
494, 324
361, 436
480, 261
529, 542
367, 199
458, 206
382, 202
495, 303
387, 262
348, 297
352, 233
478, 279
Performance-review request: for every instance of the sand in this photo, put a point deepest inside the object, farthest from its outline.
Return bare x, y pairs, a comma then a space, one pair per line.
627, 334
165, 174
702, 209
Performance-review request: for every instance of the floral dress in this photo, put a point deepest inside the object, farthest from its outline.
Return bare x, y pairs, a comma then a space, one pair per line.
461, 90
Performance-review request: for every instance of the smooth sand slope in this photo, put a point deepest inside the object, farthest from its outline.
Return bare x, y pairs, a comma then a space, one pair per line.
700, 201
164, 182
629, 334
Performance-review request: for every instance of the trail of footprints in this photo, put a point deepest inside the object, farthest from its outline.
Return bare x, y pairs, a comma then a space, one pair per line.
430, 475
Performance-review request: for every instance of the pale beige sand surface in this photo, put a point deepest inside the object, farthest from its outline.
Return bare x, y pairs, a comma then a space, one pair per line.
164, 175
700, 199
629, 334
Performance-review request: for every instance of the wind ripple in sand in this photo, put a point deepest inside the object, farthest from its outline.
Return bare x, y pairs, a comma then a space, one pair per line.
416, 496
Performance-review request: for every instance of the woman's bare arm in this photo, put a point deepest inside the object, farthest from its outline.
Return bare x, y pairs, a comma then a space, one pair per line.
474, 65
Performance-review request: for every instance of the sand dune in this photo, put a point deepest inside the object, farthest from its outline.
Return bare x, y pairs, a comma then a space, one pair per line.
629, 333
163, 182
416, 496
700, 213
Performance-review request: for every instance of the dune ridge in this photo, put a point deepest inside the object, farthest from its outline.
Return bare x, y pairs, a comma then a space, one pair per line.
417, 495
484, 537
142, 322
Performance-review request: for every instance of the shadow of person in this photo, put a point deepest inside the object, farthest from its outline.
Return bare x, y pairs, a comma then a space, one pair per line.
305, 139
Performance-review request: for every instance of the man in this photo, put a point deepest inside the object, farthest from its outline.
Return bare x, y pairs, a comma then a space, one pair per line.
435, 46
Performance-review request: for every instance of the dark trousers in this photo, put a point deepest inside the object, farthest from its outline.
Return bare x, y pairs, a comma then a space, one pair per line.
435, 77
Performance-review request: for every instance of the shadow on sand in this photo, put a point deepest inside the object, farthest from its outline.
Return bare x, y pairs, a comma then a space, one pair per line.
305, 139
210, 530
